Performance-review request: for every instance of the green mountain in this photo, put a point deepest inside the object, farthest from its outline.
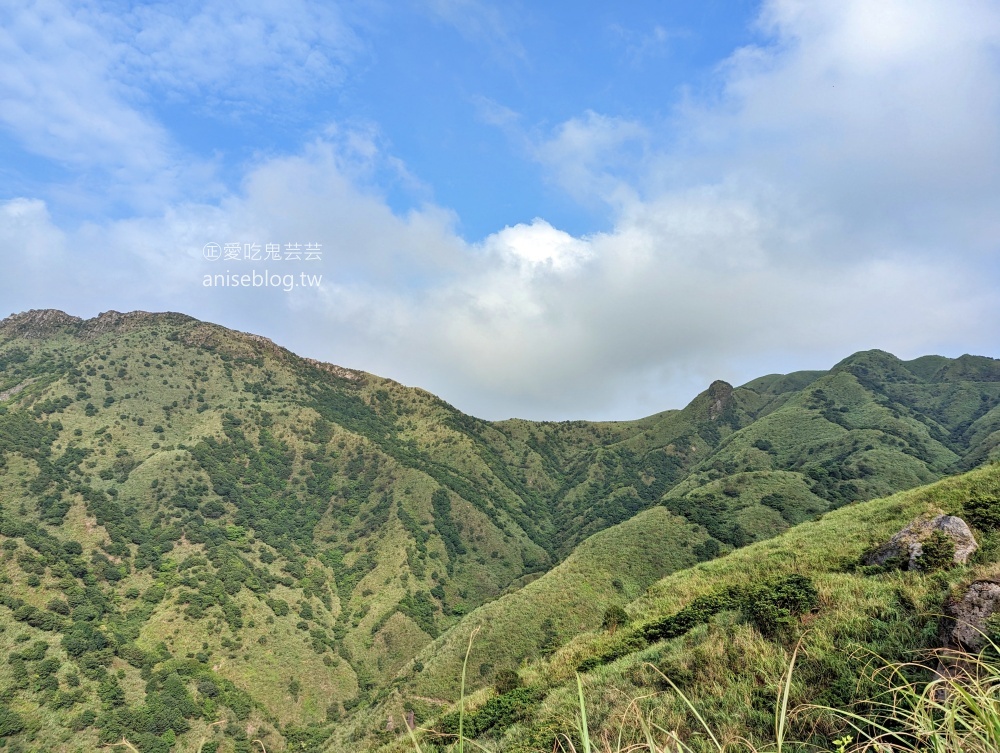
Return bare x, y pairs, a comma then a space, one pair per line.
719, 633
207, 539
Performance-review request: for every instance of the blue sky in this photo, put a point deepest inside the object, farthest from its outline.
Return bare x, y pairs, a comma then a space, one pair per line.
552, 210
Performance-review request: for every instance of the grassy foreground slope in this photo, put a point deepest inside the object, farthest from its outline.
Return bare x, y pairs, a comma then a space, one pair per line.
731, 667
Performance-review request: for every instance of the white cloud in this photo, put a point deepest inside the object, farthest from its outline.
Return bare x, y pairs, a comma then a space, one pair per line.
238, 54
835, 196
538, 245
79, 83
33, 255
58, 100
594, 157
481, 23
883, 114
837, 193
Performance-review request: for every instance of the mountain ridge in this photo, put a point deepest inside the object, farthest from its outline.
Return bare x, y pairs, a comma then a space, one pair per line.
226, 495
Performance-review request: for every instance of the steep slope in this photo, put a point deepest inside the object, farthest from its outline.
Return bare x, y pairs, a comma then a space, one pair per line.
199, 501
202, 526
753, 461
610, 567
228, 505
729, 660
867, 428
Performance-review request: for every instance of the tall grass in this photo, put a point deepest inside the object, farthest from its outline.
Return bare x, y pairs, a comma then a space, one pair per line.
459, 745
671, 742
958, 711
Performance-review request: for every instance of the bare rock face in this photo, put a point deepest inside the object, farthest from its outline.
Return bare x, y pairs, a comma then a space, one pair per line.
37, 323
115, 321
719, 395
966, 616
907, 544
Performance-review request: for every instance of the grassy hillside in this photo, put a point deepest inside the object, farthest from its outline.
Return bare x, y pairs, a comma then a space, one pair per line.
611, 567
218, 541
752, 461
729, 662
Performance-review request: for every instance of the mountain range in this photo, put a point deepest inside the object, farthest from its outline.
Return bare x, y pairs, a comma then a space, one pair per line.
209, 541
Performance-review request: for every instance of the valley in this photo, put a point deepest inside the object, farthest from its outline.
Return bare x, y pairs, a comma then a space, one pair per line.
208, 541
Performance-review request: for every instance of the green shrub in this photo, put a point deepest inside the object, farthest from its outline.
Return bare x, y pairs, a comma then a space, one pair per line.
10, 722
506, 681
770, 606
496, 714
983, 512
776, 604
615, 617
938, 552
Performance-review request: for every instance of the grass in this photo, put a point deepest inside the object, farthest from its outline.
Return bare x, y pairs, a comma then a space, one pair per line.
727, 671
573, 595
459, 744
952, 713
958, 710
524, 495
649, 730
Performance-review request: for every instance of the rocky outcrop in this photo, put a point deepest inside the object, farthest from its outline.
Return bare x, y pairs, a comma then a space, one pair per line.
339, 371
967, 615
7, 394
40, 323
964, 632
720, 394
37, 323
115, 321
907, 546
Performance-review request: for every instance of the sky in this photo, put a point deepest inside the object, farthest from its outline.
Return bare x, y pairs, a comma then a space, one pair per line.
550, 210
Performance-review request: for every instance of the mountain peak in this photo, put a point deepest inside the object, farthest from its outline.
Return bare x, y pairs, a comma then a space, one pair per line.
875, 367
37, 323
110, 321
720, 394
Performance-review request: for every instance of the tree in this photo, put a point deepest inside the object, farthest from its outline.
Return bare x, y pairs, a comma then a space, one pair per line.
614, 617
506, 681
550, 638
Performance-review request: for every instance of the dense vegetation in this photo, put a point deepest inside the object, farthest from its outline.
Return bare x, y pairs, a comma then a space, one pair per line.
206, 541
724, 633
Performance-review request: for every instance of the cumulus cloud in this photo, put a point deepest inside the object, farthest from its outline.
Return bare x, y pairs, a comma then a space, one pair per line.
58, 100
881, 114
594, 157
80, 85
833, 193
536, 245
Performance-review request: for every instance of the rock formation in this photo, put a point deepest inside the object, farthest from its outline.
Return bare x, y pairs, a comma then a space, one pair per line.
907, 545
966, 616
